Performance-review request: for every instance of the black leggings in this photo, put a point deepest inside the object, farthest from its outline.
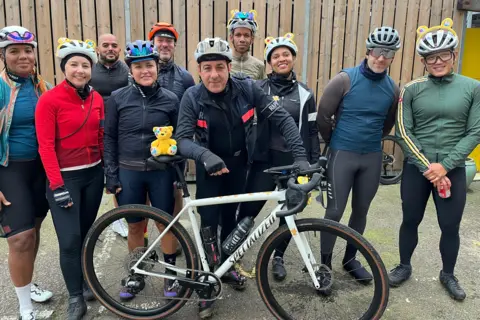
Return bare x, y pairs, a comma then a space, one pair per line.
259, 181
72, 224
215, 186
349, 171
415, 192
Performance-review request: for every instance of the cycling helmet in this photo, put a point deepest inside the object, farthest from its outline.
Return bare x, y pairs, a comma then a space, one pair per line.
67, 47
384, 37
273, 43
243, 20
163, 29
16, 35
438, 38
140, 50
213, 49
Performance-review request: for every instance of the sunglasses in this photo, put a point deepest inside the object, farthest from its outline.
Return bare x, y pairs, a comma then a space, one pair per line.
443, 56
17, 37
387, 53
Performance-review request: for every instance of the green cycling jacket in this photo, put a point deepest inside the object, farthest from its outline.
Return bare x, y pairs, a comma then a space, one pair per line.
438, 120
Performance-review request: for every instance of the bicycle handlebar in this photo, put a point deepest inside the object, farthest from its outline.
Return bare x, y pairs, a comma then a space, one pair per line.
304, 189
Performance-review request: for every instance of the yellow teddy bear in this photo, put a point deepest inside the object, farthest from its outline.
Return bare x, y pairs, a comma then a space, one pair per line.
163, 145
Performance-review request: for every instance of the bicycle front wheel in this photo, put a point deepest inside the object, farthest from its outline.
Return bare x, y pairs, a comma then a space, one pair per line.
107, 261
295, 297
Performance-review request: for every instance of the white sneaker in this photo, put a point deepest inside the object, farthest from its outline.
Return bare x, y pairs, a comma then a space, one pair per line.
38, 294
27, 315
120, 227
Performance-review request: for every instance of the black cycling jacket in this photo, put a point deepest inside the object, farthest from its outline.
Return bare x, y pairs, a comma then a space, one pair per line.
250, 102
175, 78
129, 125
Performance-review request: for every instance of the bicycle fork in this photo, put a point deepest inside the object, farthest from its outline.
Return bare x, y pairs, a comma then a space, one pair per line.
304, 248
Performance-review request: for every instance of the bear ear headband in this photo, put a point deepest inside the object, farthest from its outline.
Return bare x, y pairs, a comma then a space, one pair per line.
287, 35
89, 42
445, 25
250, 15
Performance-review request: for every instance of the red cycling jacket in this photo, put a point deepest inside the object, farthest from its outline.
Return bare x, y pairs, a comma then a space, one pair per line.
59, 113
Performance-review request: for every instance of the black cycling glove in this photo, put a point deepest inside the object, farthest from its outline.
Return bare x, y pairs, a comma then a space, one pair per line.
212, 162
62, 197
112, 184
302, 164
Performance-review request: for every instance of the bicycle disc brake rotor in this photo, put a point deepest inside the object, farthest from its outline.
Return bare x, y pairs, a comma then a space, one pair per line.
146, 264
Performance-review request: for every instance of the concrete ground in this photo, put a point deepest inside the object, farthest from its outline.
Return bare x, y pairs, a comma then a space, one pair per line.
420, 298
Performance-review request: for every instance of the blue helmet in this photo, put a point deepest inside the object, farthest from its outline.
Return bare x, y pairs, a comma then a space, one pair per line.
140, 50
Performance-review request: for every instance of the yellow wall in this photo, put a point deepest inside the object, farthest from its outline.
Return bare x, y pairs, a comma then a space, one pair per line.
471, 68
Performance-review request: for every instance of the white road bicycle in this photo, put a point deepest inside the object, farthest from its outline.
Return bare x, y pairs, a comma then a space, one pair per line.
306, 299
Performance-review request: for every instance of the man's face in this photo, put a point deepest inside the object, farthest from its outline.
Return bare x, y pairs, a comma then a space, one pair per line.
379, 59
214, 74
108, 49
242, 39
165, 47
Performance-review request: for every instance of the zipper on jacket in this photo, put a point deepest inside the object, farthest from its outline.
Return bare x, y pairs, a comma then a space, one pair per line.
143, 122
86, 132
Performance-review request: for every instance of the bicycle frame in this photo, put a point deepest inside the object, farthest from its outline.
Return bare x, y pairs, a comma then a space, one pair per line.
279, 196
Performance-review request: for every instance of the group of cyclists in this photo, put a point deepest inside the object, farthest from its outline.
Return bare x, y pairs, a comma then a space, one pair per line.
59, 143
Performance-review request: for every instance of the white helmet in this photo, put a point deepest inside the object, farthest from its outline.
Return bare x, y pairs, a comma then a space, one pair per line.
384, 37
16, 35
213, 47
67, 46
437, 38
243, 20
273, 43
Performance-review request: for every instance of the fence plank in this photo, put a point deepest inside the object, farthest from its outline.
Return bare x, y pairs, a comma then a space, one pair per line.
193, 37
259, 41
2, 16
286, 16
351, 34
220, 26
458, 16
88, 20
136, 20
273, 9
165, 10
73, 19
314, 45
447, 9
338, 37
299, 31
400, 20
180, 24
104, 24
388, 12
423, 19
363, 29
45, 40
206, 21
151, 15
410, 37
247, 5
232, 5
326, 43
376, 18
435, 13
12, 12
118, 22
59, 29
28, 15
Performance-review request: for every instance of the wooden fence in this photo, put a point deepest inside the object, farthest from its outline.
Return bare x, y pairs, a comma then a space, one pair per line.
336, 33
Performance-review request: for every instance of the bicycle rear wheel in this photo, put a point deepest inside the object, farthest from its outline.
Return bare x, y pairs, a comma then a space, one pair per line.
296, 297
102, 240
392, 161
